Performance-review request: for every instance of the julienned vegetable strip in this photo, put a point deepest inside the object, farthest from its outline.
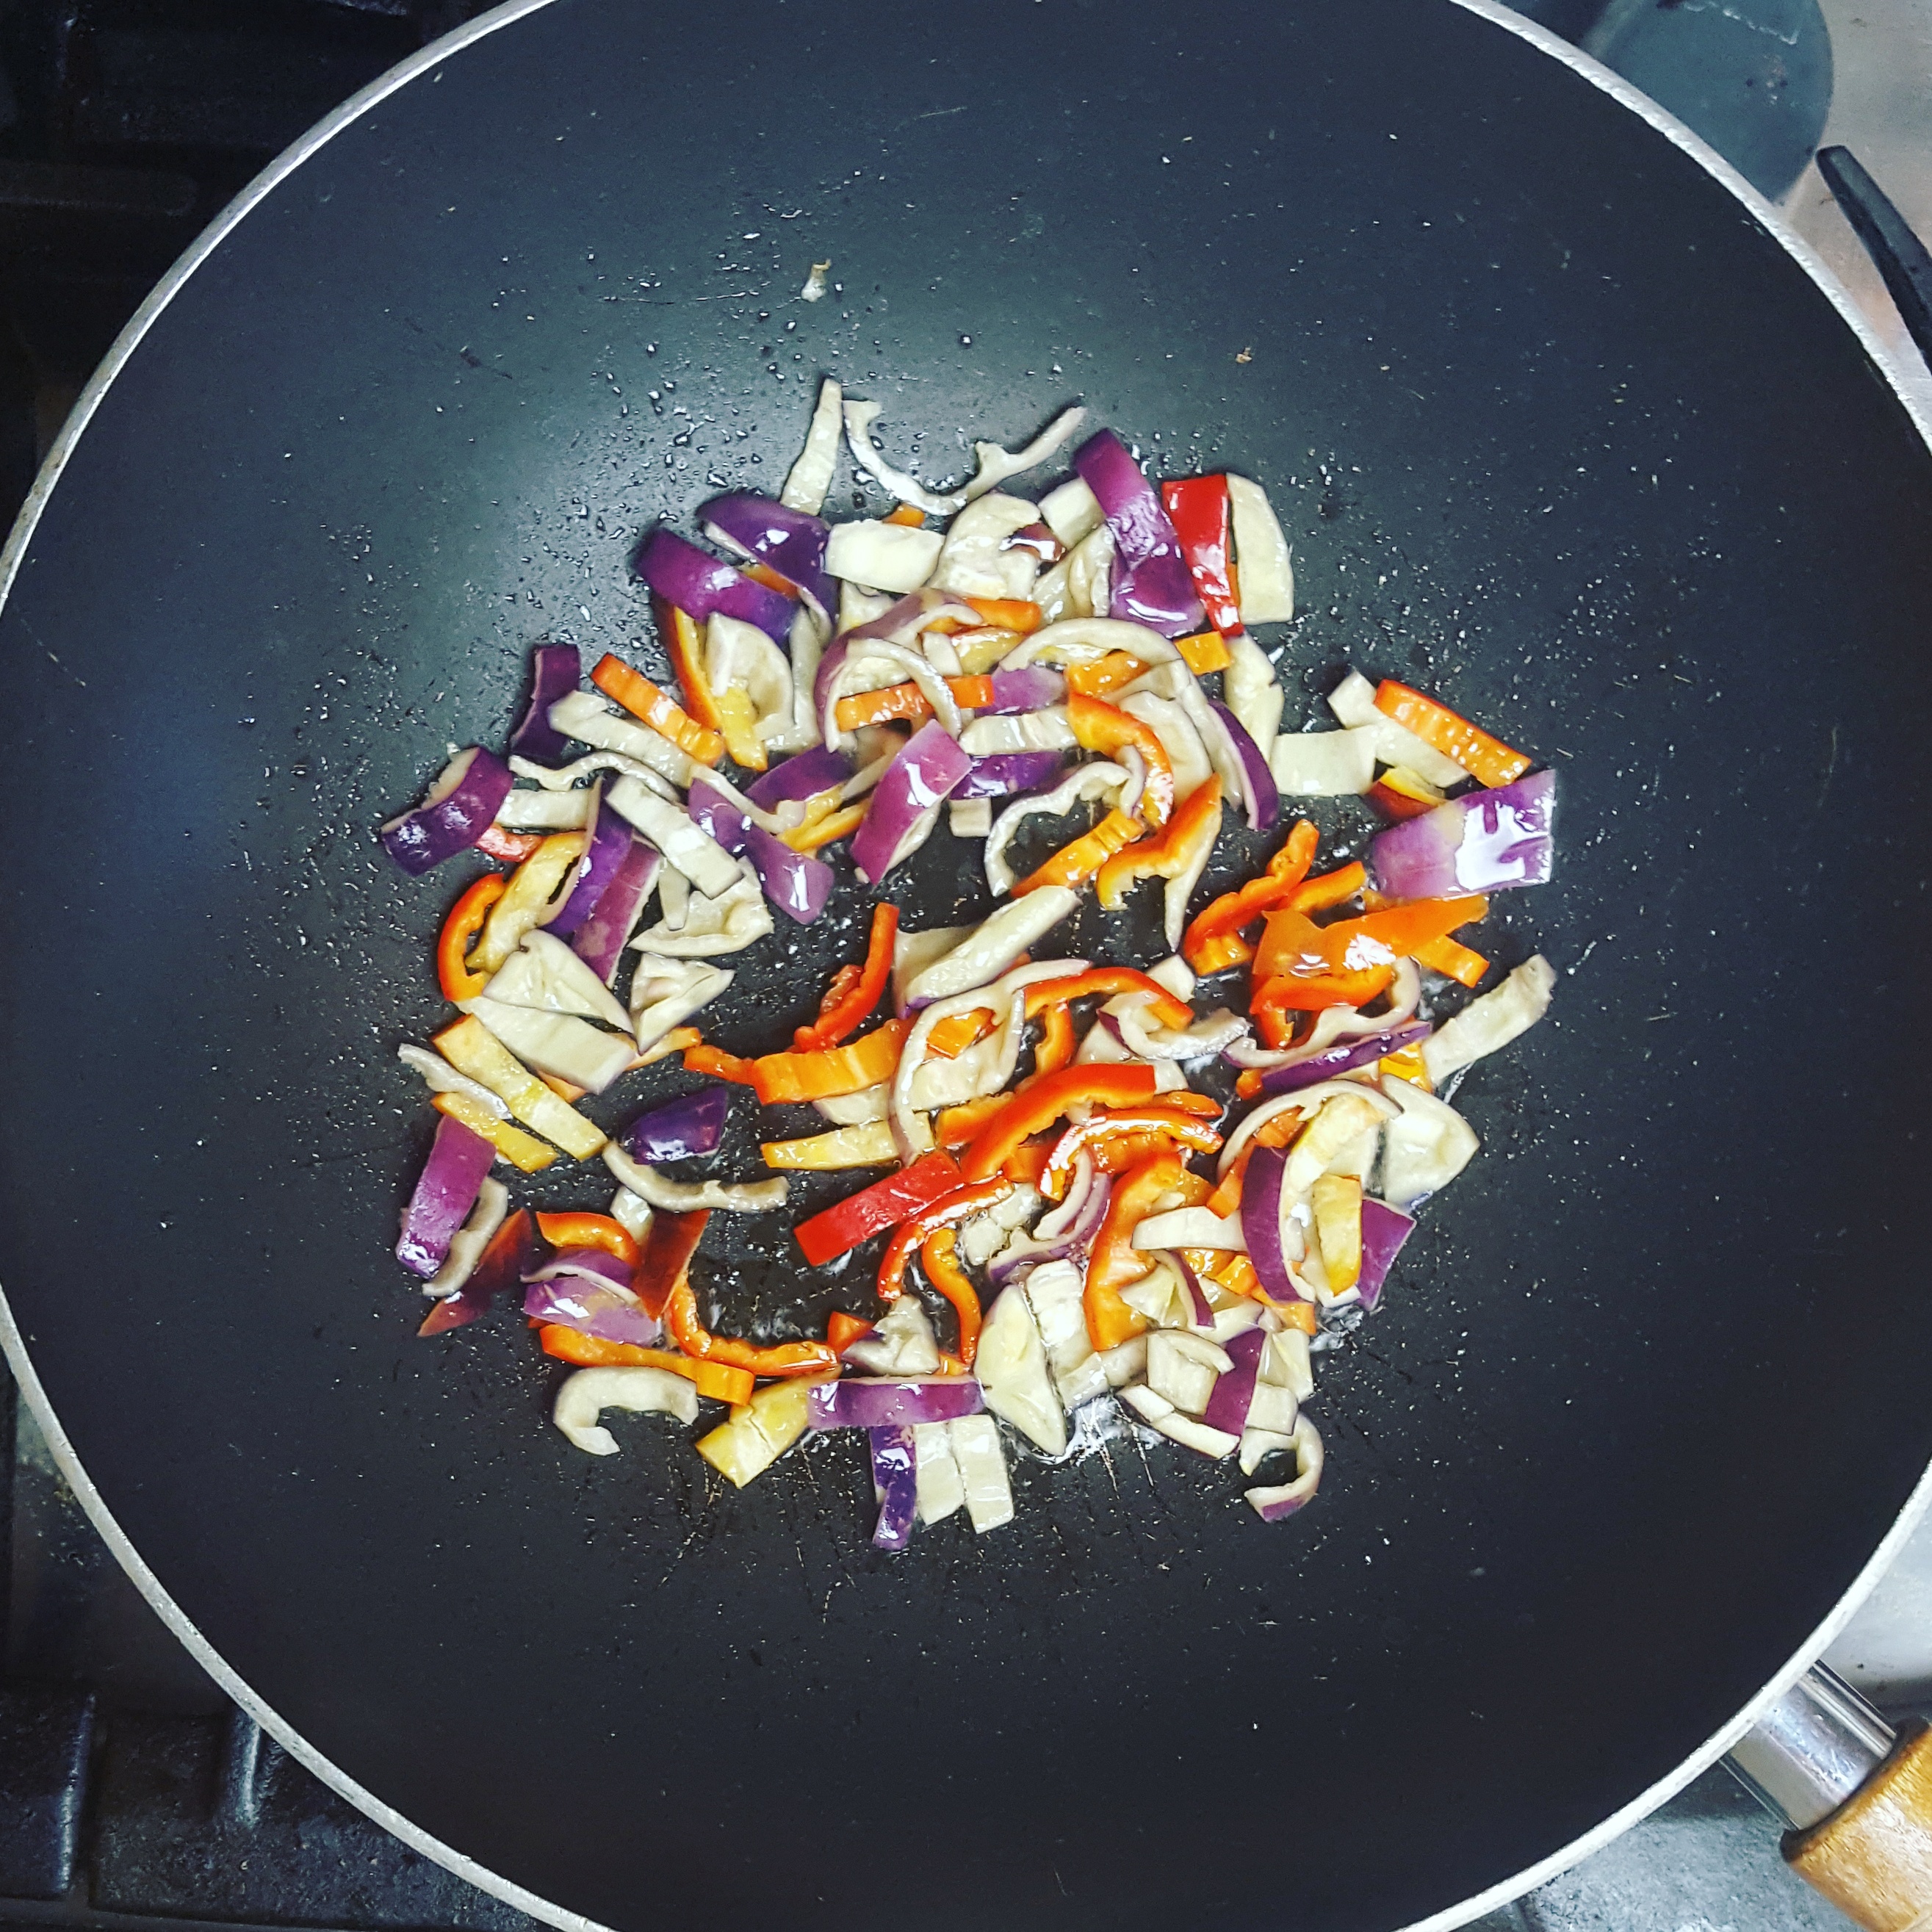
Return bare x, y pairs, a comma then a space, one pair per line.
1080, 1144
1454, 736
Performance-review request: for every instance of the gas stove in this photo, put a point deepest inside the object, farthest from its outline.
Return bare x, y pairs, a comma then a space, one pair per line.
131, 1791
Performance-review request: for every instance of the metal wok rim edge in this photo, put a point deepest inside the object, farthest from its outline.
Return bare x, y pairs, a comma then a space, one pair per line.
1894, 368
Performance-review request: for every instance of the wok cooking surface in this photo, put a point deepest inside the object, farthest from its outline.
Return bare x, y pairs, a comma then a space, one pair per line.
1642, 1403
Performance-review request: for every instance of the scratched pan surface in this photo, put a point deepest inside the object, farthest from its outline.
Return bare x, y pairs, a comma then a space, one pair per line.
1555, 428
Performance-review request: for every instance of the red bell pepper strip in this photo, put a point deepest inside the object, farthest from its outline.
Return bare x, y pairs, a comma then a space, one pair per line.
956, 1125
1057, 1045
841, 1227
833, 1070
1295, 946
642, 699
787, 1358
1214, 941
715, 1379
1472, 748
1113, 1263
1198, 507
841, 1015
842, 1330
1180, 849
958, 1203
512, 847
937, 1257
1106, 728
1042, 1101
714, 1064
578, 1230
459, 932
1180, 1127
1074, 865
1328, 889
668, 1248
1106, 981
685, 645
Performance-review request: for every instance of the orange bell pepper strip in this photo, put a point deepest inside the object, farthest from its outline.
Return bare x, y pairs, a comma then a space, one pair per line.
1491, 760
1106, 674
951, 1038
1290, 993
817, 832
1026, 1162
592, 1352
1112, 1262
578, 1230
1074, 865
672, 1242
842, 1330
1000, 614
786, 1358
831, 1071
959, 1204
837, 1229
1183, 848
684, 644
1106, 981
841, 1015
714, 1064
512, 847
1450, 958
1206, 651
909, 514
459, 932
956, 1127
1042, 1101
1057, 1045
1105, 728
1295, 945
938, 1255
643, 700
1184, 1128
763, 573
676, 1041
882, 707
1214, 941
1328, 889
1275, 1025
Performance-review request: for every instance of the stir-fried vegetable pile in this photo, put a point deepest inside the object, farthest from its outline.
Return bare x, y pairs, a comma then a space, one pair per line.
1091, 1227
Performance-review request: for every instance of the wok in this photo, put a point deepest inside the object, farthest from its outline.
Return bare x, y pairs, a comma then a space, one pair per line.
1558, 423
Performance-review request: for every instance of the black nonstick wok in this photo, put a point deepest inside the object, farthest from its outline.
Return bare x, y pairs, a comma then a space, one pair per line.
1558, 427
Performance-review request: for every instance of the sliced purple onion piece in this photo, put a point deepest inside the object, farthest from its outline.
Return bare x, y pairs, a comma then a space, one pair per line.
1032, 689
860, 1403
1020, 1256
715, 814
1481, 842
699, 584
610, 845
592, 1308
906, 805
799, 883
600, 940
1007, 771
803, 777
1284, 1498
680, 1130
1151, 583
1261, 1222
1343, 1057
791, 543
1260, 796
1383, 1230
896, 1483
455, 812
446, 1190
592, 1265
556, 671
1228, 1406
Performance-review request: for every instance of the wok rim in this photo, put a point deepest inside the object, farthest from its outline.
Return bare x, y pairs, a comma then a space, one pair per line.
1913, 396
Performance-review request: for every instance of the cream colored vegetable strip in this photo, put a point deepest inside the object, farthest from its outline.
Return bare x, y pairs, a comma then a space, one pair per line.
559, 1044
561, 778
760, 1431
1308, 1100
993, 945
974, 560
1014, 1375
442, 1078
678, 1197
664, 993
1260, 555
1087, 640
1493, 1020
996, 464
536, 891
811, 475
859, 418
1353, 701
1093, 780
868, 1143
545, 811
644, 1391
982, 1471
1423, 1150
583, 715
1324, 764
700, 858
1072, 511
545, 974
469, 1047
1253, 696
941, 1490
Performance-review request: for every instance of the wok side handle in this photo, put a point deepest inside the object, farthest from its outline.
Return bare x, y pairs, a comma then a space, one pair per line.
1858, 1796
1897, 252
